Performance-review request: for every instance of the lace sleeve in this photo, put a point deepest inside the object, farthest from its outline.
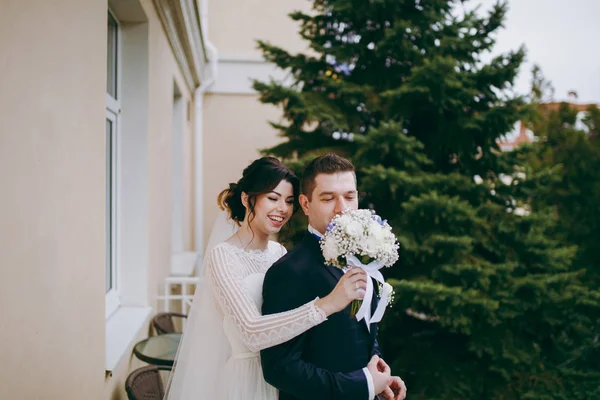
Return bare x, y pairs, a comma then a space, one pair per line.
257, 331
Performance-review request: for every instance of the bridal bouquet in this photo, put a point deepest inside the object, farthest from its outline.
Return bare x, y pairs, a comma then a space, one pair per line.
360, 238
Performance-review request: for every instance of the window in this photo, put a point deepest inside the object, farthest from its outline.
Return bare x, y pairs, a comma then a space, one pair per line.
111, 56
112, 130
110, 201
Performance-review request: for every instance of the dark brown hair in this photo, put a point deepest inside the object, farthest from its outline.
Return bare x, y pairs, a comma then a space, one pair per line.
327, 164
260, 177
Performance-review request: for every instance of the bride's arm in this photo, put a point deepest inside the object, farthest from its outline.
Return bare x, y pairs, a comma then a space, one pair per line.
257, 331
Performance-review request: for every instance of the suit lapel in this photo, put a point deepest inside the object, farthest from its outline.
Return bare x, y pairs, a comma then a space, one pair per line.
312, 244
374, 302
375, 299
335, 272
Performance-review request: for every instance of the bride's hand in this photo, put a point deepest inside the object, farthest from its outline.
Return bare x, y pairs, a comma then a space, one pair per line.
350, 287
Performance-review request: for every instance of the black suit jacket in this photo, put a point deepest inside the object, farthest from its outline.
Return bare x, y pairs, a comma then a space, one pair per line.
326, 361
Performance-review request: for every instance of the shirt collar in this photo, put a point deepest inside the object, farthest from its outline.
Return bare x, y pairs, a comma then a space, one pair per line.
315, 232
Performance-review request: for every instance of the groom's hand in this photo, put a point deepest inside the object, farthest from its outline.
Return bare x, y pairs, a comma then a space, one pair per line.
381, 379
382, 366
396, 390
387, 393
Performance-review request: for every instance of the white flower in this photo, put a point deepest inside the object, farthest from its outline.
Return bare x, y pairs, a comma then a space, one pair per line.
372, 245
388, 290
388, 247
389, 235
330, 250
376, 230
354, 229
342, 220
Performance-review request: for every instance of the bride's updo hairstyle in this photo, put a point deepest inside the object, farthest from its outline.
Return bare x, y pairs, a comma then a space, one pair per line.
260, 177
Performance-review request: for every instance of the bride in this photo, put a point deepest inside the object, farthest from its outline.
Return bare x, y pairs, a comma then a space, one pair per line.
219, 357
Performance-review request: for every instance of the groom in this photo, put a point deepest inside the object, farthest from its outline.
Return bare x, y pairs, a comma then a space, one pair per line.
338, 359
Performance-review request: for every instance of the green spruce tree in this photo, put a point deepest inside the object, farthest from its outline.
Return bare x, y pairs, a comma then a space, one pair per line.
570, 147
488, 305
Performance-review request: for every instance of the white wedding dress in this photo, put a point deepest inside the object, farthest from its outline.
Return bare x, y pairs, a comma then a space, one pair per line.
234, 279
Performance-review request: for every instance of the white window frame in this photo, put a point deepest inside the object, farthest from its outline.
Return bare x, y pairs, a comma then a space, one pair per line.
113, 110
131, 310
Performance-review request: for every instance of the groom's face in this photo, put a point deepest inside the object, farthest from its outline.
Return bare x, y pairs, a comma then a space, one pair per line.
333, 193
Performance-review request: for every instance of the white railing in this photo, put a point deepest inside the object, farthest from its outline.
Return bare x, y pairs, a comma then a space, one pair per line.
172, 283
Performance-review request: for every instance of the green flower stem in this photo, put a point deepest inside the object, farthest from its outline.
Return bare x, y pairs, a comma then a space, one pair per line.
354, 307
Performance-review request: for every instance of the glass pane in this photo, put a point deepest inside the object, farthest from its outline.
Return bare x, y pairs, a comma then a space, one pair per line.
111, 57
109, 210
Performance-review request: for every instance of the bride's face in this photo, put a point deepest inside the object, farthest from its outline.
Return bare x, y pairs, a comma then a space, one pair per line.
272, 210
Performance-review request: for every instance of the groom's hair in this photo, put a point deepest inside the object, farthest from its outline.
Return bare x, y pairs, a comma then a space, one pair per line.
326, 164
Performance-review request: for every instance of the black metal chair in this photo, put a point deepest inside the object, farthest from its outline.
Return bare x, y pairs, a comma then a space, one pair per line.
164, 323
146, 383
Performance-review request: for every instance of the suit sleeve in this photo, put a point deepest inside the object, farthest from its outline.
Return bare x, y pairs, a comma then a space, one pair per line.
376, 350
283, 366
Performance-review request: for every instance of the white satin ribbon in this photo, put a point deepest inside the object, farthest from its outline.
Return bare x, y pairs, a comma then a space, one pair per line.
372, 270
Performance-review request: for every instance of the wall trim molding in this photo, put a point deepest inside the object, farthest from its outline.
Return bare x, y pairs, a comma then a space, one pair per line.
181, 22
236, 75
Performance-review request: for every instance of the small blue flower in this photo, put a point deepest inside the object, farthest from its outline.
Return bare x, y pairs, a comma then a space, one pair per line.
377, 219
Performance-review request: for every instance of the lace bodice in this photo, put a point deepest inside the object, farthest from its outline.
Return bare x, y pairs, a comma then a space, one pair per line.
237, 277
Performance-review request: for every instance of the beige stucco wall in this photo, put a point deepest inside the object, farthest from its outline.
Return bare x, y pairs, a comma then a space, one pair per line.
52, 166
52, 207
235, 124
235, 25
163, 72
235, 128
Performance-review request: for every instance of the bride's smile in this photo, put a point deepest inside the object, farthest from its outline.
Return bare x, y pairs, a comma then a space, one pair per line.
271, 211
